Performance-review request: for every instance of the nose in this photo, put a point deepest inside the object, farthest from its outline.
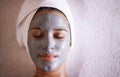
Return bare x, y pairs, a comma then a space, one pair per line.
50, 43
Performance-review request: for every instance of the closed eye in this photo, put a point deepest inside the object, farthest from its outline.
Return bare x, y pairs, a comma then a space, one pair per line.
36, 33
60, 35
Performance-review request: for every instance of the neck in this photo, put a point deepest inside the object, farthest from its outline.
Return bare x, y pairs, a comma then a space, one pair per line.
58, 73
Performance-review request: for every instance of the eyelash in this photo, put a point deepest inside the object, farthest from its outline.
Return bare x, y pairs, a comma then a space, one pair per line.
38, 36
42, 35
58, 36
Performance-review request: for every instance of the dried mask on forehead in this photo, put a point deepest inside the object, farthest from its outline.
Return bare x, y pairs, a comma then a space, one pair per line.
49, 40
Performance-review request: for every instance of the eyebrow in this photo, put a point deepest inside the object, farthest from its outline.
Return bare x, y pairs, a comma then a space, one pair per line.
35, 28
60, 30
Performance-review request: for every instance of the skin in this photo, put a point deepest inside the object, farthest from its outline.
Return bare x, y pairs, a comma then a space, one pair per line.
49, 43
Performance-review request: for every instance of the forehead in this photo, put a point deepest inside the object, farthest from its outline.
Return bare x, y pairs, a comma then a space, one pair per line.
50, 11
49, 19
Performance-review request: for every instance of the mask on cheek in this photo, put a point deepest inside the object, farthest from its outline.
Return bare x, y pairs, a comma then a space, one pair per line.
48, 41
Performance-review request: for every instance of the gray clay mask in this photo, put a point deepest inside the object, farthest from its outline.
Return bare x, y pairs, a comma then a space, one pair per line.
48, 41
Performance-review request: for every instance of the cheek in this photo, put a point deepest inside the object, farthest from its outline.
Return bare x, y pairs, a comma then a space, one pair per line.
34, 46
64, 44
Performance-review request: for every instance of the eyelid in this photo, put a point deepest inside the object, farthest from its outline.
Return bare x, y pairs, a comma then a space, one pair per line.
60, 35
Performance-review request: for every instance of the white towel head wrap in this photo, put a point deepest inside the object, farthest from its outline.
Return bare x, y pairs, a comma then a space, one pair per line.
28, 10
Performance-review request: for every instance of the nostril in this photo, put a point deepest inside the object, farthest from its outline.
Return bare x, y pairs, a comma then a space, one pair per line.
52, 48
48, 52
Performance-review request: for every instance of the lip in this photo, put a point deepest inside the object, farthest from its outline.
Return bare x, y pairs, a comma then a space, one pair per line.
47, 57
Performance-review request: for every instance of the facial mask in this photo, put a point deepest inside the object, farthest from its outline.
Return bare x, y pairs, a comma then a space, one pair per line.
48, 41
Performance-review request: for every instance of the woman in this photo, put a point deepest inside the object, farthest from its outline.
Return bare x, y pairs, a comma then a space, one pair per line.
44, 29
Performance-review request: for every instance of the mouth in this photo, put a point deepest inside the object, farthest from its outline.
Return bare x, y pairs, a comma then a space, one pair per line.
48, 57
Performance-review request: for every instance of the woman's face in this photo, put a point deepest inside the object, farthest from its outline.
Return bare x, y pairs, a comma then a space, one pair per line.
49, 40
